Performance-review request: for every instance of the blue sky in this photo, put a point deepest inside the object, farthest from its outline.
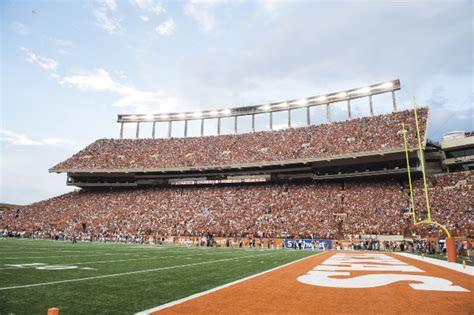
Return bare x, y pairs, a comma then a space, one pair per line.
69, 67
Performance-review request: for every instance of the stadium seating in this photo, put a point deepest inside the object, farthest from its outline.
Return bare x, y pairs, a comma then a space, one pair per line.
324, 209
328, 209
368, 134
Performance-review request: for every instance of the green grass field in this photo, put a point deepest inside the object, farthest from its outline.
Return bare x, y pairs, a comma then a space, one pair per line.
445, 258
91, 278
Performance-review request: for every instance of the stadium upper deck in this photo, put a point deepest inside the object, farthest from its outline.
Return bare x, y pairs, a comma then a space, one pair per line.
375, 135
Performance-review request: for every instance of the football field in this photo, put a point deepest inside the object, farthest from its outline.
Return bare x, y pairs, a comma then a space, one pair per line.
93, 278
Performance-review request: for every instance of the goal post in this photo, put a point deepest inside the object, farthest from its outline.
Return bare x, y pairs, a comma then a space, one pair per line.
450, 243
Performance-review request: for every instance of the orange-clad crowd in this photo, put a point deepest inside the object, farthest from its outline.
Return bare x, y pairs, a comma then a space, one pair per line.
319, 210
376, 133
330, 209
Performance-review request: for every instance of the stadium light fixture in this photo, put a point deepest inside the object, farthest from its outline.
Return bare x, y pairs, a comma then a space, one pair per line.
282, 104
302, 102
318, 100
361, 91
321, 98
340, 95
387, 85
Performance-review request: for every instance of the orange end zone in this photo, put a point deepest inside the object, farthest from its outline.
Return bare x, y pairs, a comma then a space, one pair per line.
333, 283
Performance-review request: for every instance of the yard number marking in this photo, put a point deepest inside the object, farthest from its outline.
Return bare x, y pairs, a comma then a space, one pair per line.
341, 264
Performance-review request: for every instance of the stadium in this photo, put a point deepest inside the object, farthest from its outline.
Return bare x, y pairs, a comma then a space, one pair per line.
349, 216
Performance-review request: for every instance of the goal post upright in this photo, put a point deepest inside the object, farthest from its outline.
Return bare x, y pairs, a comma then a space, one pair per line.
409, 174
450, 243
422, 159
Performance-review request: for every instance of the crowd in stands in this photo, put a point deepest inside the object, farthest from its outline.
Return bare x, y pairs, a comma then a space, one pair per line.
376, 133
451, 201
311, 210
327, 210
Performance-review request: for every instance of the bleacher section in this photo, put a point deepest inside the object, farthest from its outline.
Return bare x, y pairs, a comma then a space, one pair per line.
356, 137
320, 209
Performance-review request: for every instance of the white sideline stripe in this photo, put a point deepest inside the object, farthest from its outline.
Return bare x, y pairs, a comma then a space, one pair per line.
86, 255
127, 273
196, 295
469, 270
68, 256
118, 260
113, 261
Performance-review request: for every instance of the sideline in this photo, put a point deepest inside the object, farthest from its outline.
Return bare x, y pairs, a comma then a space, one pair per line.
121, 260
68, 256
196, 295
469, 270
109, 261
129, 272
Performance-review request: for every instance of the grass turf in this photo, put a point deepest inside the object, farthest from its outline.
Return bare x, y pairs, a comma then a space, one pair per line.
118, 278
459, 260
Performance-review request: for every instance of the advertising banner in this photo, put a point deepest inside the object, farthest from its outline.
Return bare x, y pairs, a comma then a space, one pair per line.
308, 244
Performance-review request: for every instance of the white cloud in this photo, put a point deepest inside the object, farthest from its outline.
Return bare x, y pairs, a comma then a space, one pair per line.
105, 17
20, 28
202, 12
100, 80
63, 46
272, 7
110, 4
45, 63
14, 138
108, 23
166, 28
144, 18
148, 5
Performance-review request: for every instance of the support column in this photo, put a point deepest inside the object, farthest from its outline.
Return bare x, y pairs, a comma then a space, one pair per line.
138, 130
202, 127
253, 122
219, 126
394, 101
186, 128
153, 130
271, 120
169, 128
451, 249
235, 124
349, 113
328, 112
308, 116
289, 118
371, 105
121, 130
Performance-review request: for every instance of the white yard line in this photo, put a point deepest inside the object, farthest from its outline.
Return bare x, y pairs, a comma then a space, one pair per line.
161, 307
120, 260
112, 261
170, 249
127, 273
469, 270
64, 256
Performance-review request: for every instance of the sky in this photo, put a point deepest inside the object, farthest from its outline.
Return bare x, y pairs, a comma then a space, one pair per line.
69, 67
